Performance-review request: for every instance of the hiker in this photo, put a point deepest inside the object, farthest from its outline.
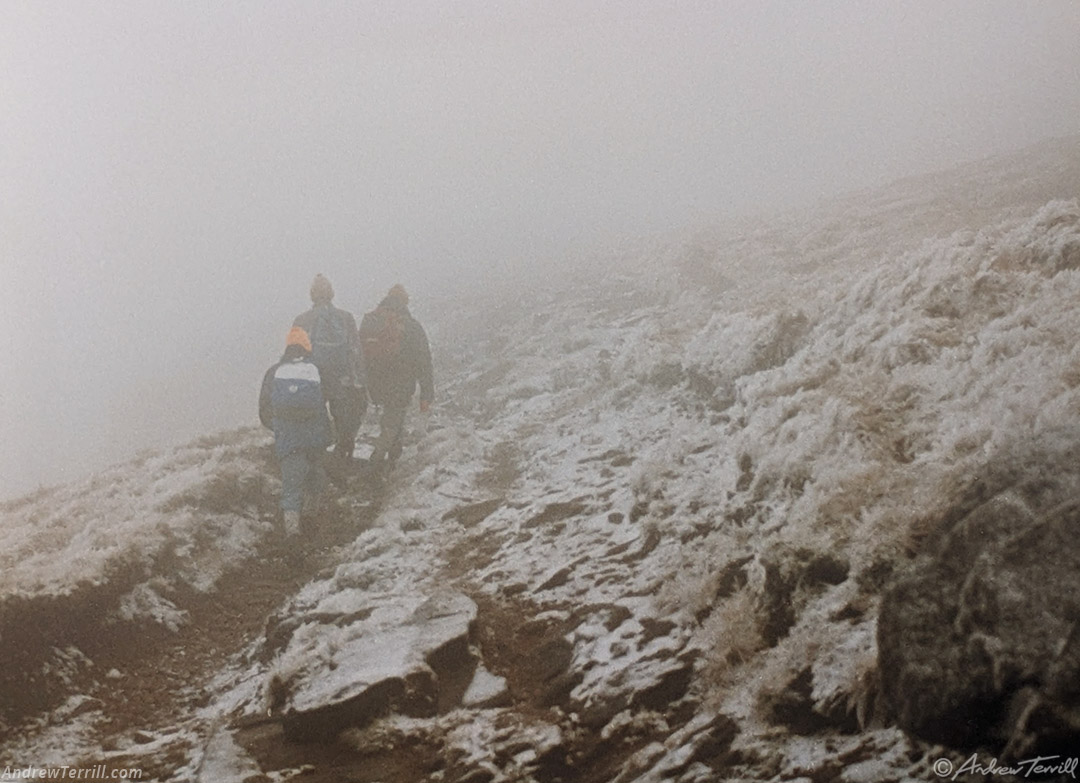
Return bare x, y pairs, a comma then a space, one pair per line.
396, 359
336, 352
291, 403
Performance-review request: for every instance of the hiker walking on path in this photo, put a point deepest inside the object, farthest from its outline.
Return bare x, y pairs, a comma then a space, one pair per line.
336, 352
397, 359
291, 403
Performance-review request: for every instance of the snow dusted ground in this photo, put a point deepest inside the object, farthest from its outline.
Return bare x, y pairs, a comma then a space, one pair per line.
203, 504
637, 457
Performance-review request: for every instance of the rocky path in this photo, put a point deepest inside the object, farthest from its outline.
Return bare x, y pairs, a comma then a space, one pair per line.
522, 643
527, 731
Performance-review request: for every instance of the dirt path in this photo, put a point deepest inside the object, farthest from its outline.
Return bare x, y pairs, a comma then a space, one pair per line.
518, 639
511, 643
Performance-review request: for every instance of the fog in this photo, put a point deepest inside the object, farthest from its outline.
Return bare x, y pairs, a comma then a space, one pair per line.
173, 174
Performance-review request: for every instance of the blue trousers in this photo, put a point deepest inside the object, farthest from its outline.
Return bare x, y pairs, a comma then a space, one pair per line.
302, 475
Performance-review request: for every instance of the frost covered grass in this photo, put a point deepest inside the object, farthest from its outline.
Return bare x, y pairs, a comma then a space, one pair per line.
182, 516
833, 392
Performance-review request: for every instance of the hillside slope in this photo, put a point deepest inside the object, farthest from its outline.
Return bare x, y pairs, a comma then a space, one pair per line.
676, 500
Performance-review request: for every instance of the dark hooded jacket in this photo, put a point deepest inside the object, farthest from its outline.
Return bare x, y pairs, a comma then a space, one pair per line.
392, 380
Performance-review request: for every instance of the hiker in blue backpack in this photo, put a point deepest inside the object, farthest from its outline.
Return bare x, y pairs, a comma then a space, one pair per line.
397, 359
291, 403
336, 352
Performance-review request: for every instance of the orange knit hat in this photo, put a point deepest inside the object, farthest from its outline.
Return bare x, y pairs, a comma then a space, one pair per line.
298, 336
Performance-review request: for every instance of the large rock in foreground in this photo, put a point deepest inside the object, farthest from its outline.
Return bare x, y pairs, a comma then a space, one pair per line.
412, 660
980, 646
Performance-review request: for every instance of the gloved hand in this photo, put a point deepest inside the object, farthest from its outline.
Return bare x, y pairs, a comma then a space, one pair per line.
425, 406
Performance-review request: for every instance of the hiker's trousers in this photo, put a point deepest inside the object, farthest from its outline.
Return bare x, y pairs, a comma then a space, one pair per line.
391, 428
347, 412
302, 476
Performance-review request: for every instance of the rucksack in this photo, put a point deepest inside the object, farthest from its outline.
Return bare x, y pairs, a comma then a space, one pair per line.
382, 334
296, 390
330, 344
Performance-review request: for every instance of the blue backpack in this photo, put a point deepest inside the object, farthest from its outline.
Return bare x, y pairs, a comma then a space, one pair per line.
297, 391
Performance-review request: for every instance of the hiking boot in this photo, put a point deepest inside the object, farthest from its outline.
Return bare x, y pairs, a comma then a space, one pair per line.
292, 523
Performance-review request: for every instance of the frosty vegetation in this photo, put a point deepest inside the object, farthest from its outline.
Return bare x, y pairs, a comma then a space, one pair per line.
662, 441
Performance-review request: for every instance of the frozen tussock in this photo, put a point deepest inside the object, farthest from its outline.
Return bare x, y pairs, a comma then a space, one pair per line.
184, 514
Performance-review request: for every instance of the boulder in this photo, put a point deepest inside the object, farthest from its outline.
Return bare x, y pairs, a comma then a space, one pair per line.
979, 645
416, 663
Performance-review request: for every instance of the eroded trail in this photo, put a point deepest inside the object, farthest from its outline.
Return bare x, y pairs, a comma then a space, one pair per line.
522, 639
510, 638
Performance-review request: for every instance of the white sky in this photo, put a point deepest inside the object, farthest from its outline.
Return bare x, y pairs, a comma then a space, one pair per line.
173, 174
